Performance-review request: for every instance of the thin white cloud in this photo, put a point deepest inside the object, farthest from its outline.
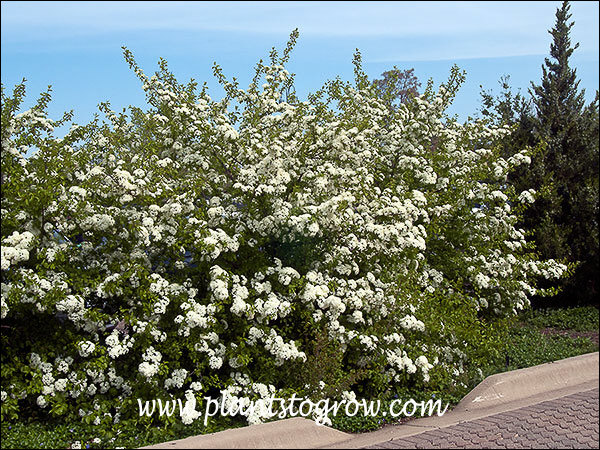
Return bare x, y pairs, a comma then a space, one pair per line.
327, 18
520, 25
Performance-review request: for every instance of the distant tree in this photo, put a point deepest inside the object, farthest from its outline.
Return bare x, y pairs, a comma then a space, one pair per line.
397, 86
509, 108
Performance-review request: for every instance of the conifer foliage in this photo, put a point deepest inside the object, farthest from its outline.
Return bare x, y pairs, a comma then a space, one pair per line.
564, 170
567, 220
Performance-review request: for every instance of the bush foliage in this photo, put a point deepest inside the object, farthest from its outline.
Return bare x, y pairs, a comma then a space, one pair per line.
204, 245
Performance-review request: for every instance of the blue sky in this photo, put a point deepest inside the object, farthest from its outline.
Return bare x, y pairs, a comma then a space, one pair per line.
76, 46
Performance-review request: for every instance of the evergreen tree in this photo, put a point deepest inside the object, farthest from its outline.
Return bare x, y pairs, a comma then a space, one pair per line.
564, 170
565, 221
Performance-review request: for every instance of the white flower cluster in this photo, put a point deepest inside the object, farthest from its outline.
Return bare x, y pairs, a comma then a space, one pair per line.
218, 286
242, 391
35, 117
527, 196
86, 348
74, 306
151, 363
15, 248
116, 347
79, 191
410, 322
99, 222
282, 351
177, 379
400, 362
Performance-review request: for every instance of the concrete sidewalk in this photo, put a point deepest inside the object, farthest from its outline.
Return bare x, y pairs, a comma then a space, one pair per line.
553, 405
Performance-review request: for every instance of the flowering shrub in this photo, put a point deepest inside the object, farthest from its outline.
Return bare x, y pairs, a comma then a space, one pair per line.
204, 245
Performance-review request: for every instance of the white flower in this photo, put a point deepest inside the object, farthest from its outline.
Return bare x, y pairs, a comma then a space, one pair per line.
148, 369
410, 322
86, 348
423, 363
79, 191
177, 379
527, 196
61, 384
419, 197
41, 401
498, 195
482, 281
215, 362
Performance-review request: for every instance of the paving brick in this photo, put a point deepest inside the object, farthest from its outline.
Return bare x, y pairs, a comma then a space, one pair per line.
568, 422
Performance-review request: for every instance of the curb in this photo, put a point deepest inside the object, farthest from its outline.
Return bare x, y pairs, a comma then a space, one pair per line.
519, 384
295, 432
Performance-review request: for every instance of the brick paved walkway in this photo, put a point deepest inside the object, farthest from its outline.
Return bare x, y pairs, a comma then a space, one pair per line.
566, 422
